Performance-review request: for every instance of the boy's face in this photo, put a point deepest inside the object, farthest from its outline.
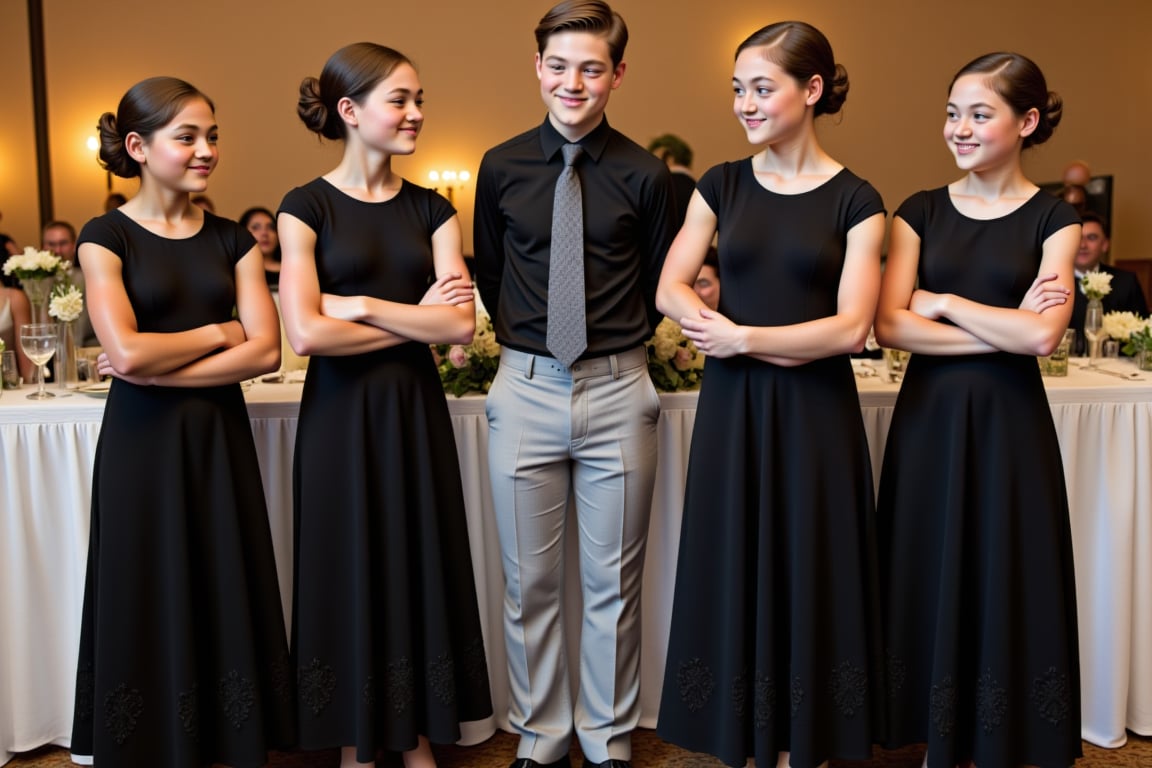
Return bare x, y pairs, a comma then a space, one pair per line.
576, 78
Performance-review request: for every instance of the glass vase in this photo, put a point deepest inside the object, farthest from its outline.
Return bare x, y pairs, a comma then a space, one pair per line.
36, 289
1144, 359
67, 376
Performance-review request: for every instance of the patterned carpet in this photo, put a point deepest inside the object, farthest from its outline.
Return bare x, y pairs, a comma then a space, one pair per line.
648, 752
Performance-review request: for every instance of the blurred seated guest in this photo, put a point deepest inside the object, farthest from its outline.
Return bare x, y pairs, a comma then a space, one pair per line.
1077, 174
707, 285
114, 201
14, 312
59, 237
1125, 296
262, 224
1076, 196
204, 202
676, 153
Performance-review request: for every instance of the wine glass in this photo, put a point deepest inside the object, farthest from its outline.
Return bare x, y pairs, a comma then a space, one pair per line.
38, 340
1093, 323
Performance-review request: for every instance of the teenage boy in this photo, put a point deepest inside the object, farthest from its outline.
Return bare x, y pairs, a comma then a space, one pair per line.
572, 408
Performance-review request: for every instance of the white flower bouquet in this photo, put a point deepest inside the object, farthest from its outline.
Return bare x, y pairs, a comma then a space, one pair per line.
1132, 331
674, 363
471, 367
35, 265
66, 303
1096, 285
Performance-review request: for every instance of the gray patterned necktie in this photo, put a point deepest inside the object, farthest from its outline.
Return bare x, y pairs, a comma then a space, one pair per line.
567, 327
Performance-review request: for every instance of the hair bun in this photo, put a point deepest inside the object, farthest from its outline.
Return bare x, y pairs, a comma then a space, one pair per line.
835, 93
113, 154
312, 111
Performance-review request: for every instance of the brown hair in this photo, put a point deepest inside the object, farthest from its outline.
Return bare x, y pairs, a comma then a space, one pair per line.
803, 51
352, 72
147, 107
1018, 81
594, 16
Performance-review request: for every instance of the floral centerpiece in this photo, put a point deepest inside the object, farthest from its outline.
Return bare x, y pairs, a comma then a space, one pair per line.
66, 302
471, 367
1133, 331
35, 265
1096, 285
36, 270
674, 363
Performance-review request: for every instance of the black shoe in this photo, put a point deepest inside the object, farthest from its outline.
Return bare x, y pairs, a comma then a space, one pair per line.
527, 762
609, 763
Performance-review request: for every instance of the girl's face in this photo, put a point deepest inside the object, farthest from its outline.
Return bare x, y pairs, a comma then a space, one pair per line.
982, 131
264, 230
389, 119
770, 103
181, 155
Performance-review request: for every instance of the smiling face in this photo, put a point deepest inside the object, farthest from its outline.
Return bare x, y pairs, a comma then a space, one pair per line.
390, 117
770, 103
182, 154
982, 130
576, 78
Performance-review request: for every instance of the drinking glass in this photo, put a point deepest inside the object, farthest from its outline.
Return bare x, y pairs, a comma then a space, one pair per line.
38, 340
1093, 322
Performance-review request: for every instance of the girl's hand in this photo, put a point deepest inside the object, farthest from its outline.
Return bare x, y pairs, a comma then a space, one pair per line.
451, 289
104, 368
1044, 294
714, 334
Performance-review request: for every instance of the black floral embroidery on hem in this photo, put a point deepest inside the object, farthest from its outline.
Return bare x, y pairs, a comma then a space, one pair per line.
399, 684
897, 672
1051, 696
123, 707
442, 678
797, 696
765, 701
695, 681
85, 692
942, 706
991, 702
849, 687
739, 693
475, 662
188, 710
281, 677
237, 697
316, 683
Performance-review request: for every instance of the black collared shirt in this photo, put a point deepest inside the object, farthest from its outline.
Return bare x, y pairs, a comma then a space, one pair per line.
628, 227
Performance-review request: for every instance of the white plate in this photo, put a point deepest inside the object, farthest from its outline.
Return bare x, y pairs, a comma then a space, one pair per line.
99, 389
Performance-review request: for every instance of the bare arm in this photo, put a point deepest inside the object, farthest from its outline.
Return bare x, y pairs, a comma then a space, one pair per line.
907, 317
258, 353
323, 324
451, 322
128, 352
798, 343
675, 296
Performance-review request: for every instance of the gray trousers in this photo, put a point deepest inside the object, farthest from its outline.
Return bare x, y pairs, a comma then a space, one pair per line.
590, 430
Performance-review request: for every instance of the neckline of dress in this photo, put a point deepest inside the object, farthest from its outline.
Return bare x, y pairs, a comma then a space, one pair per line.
821, 185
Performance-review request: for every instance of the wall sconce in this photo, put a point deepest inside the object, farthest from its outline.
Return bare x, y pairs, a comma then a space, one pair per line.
453, 180
94, 145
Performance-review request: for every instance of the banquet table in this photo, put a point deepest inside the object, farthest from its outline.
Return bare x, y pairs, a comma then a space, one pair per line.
47, 447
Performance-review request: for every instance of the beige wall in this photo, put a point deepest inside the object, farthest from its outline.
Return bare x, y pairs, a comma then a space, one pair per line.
475, 62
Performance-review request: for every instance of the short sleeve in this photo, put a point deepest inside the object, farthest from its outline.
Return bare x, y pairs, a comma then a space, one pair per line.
106, 232
711, 186
864, 203
1061, 215
914, 212
238, 240
302, 204
439, 209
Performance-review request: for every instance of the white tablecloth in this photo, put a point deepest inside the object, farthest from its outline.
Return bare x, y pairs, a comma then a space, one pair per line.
46, 452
